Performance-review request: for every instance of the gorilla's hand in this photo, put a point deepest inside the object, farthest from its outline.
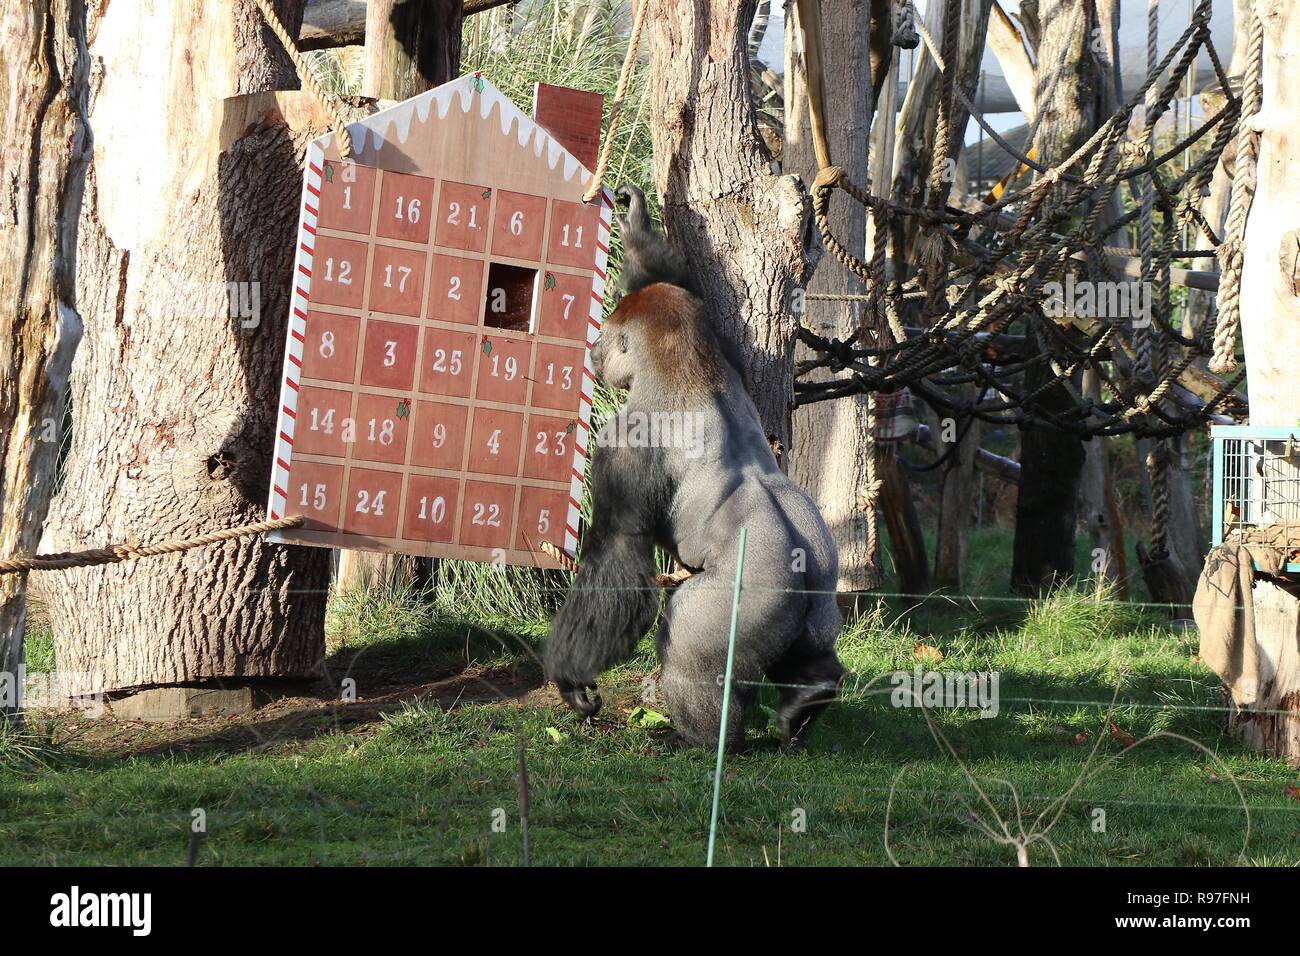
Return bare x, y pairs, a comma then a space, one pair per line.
577, 697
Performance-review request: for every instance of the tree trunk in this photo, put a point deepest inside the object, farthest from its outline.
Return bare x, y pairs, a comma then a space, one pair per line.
1272, 723
831, 444
919, 120
1069, 94
1270, 282
1098, 507
1099, 512
44, 148
959, 482
745, 227
411, 47
1271, 333
906, 539
185, 257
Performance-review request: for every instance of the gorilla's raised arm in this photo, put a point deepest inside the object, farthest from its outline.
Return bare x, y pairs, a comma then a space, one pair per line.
614, 598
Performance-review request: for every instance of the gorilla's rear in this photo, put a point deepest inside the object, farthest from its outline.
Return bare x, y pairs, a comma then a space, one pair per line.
689, 486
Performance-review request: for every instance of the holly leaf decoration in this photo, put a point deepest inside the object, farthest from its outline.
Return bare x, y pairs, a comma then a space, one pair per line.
550, 281
569, 427
478, 82
487, 194
487, 345
404, 408
329, 172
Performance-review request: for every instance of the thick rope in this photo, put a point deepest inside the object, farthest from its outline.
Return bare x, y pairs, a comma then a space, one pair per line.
1243, 193
616, 108
308, 78
133, 552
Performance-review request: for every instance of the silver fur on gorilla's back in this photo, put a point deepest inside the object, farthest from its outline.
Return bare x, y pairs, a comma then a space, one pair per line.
693, 501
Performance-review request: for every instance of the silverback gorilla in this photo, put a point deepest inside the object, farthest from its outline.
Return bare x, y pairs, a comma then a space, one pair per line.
692, 499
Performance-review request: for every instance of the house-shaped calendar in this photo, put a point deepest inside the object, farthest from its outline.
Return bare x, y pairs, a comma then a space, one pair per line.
448, 283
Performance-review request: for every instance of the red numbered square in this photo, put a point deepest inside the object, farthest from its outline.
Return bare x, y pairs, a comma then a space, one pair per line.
548, 447
503, 369
330, 349
346, 192
439, 440
381, 428
557, 377
520, 222
404, 206
431, 508
315, 491
455, 288
494, 442
321, 423
397, 281
542, 516
389, 356
373, 502
447, 366
486, 513
338, 272
573, 234
566, 306
463, 216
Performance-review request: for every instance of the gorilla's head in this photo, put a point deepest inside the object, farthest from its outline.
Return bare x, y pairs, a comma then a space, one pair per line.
659, 329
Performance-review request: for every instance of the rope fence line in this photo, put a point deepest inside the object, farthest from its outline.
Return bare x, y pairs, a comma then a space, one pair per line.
131, 551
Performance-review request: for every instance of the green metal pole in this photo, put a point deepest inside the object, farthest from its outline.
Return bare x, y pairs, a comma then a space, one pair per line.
726, 699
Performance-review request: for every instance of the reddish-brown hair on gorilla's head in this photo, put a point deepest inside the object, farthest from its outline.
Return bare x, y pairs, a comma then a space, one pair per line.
671, 328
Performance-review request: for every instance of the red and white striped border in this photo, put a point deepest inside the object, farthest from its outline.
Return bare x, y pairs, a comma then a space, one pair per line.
278, 501
588, 375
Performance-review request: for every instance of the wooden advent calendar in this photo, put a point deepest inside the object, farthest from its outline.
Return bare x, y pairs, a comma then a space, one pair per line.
447, 288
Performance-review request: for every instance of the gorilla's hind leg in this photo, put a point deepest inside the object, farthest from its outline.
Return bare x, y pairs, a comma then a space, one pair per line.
806, 682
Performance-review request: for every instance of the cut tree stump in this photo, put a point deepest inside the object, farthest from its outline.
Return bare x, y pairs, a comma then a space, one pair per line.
1272, 724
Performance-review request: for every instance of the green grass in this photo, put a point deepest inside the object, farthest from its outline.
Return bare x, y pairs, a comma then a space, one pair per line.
424, 784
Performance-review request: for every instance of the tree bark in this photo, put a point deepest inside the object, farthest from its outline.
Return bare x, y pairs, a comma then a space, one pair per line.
1270, 282
1098, 509
919, 120
411, 46
1270, 308
745, 227
906, 539
185, 257
831, 443
1099, 513
44, 148
1272, 723
959, 481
